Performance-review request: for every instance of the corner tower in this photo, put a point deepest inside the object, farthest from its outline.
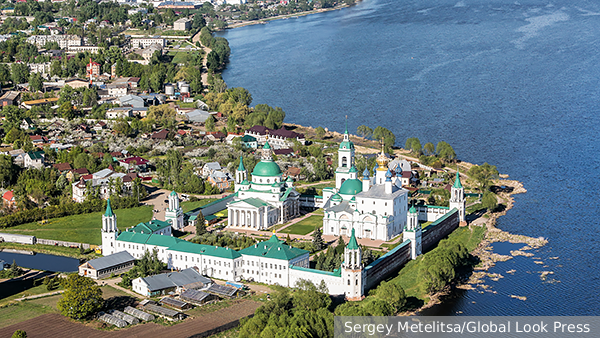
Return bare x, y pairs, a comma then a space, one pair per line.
109, 231
458, 200
352, 270
345, 159
413, 232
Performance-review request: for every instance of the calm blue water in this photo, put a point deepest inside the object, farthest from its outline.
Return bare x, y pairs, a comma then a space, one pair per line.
42, 261
512, 83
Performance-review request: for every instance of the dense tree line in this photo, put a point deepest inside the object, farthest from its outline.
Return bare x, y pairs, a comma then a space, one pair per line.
304, 312
442, 266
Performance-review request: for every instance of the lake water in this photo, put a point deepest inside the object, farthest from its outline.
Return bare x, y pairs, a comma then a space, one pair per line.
512, 83
42, 261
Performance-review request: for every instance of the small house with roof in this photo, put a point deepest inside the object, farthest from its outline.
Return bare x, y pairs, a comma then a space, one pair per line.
177, 281
249, 142
8, 199
103, 267
134, 163
220, 180
210, 168
27, 124
34, 159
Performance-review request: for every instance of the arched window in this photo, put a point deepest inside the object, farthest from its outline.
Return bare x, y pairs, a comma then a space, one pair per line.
344, 161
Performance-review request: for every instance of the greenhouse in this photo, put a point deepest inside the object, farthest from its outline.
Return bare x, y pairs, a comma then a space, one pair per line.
112, 320
128, 318
139, 314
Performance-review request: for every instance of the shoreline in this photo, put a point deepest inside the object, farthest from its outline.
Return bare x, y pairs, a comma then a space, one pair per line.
282, 17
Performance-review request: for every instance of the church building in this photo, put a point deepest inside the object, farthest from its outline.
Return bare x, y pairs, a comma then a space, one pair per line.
266, 199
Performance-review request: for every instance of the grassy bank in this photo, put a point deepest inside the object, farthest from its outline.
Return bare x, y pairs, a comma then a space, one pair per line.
50, 250
305, 226
81, 228
408, 277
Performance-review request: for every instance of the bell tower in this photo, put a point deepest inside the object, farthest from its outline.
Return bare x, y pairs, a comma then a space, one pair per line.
352, 270
345, 159
241, 174
413, 232
109, 231
174, 213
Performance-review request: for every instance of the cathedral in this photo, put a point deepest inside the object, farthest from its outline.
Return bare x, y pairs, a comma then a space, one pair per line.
266, 199
376, 206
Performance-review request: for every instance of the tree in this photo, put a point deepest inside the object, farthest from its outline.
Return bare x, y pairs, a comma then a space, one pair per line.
36, 82
489, 201
19, 73
445, 151
66, 110
429, 148
8, 170
317, 241
19, 334
82, 297
483, 174
320, 132
391, 293
4, 73
389, 139
122, 127
200, 224
364, 131
210, 123
414, 145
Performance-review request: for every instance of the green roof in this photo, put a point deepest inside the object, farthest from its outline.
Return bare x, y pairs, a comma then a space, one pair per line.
109, 212
255, 202
248, 138
336, 197
273, 248
352, 244
176, 244
241, 166
36, 155
286, 194
457, 183
335, 273
150, 227
267, 146
353, 169
351, 187
173, 193
266, 168
245, 182
412, 209
346, 145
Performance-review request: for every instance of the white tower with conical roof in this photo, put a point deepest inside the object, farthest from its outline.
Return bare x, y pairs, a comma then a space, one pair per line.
241, 174
174, 213
345, 159
413, 232
352, 270
458, 200
109, 231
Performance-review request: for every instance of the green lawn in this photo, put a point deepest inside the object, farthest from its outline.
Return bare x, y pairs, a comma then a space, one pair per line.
187, 206
178, 57
36, 290
23, 311
305, 226
82, 228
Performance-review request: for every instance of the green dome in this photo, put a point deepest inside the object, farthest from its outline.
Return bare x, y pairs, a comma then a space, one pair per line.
412, 210
245, 182
266, 168
336, 197
346, 145
351, 187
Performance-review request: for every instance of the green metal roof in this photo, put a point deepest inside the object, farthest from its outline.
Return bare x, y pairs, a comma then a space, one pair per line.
266, 168
150, 227
346, 145
173, 193
248, 138
353, 170
36, 155
412, 210
241, 166
335, 273
267, 145
287, 194
336, 197
245, 182
175, 244
255, 202
457, 183
351, 187
109, 212
352, 244
273, 248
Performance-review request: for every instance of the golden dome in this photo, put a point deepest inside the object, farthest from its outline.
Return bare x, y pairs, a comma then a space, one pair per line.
382, 161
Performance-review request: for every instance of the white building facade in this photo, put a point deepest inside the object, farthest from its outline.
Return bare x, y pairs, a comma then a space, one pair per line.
266, 200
